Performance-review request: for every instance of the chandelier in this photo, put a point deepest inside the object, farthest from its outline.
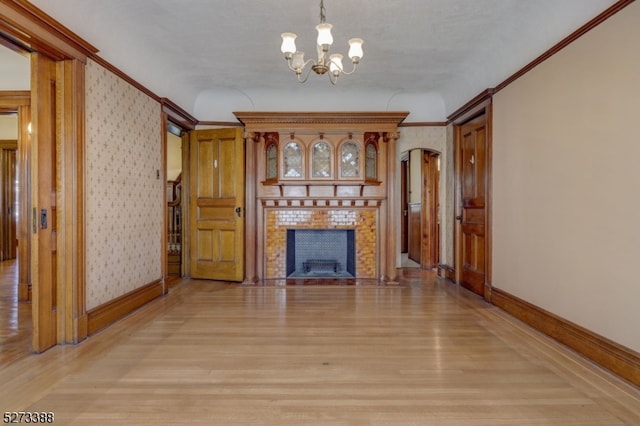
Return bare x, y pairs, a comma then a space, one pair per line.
331, 63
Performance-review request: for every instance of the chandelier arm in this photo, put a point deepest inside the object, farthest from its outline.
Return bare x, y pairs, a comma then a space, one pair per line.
306, 77
342, 71
307, 62
333, 78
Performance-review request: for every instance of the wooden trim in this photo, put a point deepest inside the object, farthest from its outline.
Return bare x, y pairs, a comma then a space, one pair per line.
488, 205
97, 59
164, 253
70, 234
474, 107
220, 123
423, 124
614, 357
39, 32
24, 229
15, 98
178, 115
256, 121
110, 312
447, 272
615, 8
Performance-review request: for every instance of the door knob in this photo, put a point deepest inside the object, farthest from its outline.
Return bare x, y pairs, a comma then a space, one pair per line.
238, 211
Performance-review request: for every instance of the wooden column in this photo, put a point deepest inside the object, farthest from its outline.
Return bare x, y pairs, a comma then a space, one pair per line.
250, 212
392, 208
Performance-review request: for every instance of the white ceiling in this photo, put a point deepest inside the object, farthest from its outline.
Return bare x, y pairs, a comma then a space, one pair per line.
213, 57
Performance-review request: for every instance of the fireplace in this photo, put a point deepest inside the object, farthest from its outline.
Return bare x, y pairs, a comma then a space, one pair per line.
320, 253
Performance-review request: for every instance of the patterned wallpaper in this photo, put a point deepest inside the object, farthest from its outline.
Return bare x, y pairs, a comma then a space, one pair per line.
124, 210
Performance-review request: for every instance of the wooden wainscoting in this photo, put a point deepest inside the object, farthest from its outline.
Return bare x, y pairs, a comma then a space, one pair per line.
118, 308
610, 355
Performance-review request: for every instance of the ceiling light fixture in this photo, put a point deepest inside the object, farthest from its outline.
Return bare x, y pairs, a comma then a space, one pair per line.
325, 62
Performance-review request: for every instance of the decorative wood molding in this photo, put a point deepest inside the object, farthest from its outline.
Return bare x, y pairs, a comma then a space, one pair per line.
178, 115
110, 312
615, 8
610, 355
32, 29
12, 99
287, 121
111, 68
220, 123
472, 108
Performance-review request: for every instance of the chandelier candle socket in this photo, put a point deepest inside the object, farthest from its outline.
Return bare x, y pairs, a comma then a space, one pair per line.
325, 62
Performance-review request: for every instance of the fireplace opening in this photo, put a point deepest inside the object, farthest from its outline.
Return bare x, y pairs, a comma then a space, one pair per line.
319, 253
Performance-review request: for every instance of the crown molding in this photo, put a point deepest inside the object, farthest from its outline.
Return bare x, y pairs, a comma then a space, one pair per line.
34, 30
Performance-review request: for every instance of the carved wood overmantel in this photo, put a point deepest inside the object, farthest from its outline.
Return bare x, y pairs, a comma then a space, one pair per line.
362, 191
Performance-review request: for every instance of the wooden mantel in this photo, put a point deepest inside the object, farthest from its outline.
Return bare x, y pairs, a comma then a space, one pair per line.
370, 202
316, 121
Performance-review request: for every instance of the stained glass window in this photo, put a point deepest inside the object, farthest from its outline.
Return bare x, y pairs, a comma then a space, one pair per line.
350, 160
371, 162
321, 160
292, 156
272, 161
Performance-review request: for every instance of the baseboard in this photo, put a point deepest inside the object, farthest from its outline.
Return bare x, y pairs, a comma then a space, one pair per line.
110, 312
612, 356
446, 271
24, 292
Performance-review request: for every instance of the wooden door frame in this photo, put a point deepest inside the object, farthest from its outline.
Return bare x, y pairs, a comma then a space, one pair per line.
481, 104
26, 28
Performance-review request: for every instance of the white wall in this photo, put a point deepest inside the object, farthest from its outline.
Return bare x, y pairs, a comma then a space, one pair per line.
9, 127
566, 182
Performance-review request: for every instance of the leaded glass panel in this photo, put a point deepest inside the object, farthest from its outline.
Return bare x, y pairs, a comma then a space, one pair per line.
292, 156
350, 160
371, 162
321, 160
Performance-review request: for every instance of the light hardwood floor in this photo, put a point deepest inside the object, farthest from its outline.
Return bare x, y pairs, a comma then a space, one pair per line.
15, 318
422, 353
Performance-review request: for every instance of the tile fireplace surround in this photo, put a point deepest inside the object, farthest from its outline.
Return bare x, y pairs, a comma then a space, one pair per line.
279, 221
277, 204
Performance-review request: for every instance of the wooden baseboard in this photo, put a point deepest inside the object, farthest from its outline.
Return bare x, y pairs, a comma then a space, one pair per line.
24, 292
614, 357
446, 271
110, 312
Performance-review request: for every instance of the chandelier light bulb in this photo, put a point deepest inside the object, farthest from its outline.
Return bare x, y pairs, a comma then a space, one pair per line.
355, 49
324, 34
288, 43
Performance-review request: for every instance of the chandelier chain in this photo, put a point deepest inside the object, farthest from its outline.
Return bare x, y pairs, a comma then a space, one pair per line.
322, 12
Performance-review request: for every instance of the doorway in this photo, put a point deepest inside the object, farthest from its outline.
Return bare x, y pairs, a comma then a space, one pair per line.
420, 204
16, 325
175, 205
473, 203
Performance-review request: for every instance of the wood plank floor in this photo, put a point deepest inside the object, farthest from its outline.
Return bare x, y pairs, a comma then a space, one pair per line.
15, 318
423, 353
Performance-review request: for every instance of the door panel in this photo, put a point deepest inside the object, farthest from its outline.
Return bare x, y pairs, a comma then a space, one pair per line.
473, 146
217, 204
43, 190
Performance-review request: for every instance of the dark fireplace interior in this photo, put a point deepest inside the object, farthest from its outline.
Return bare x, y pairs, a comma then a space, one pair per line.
318, 253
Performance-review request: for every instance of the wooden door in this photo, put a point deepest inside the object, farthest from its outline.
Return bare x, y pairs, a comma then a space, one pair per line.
8, 200
472, 144
43, 190
404, 205
216, 206
430, 246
